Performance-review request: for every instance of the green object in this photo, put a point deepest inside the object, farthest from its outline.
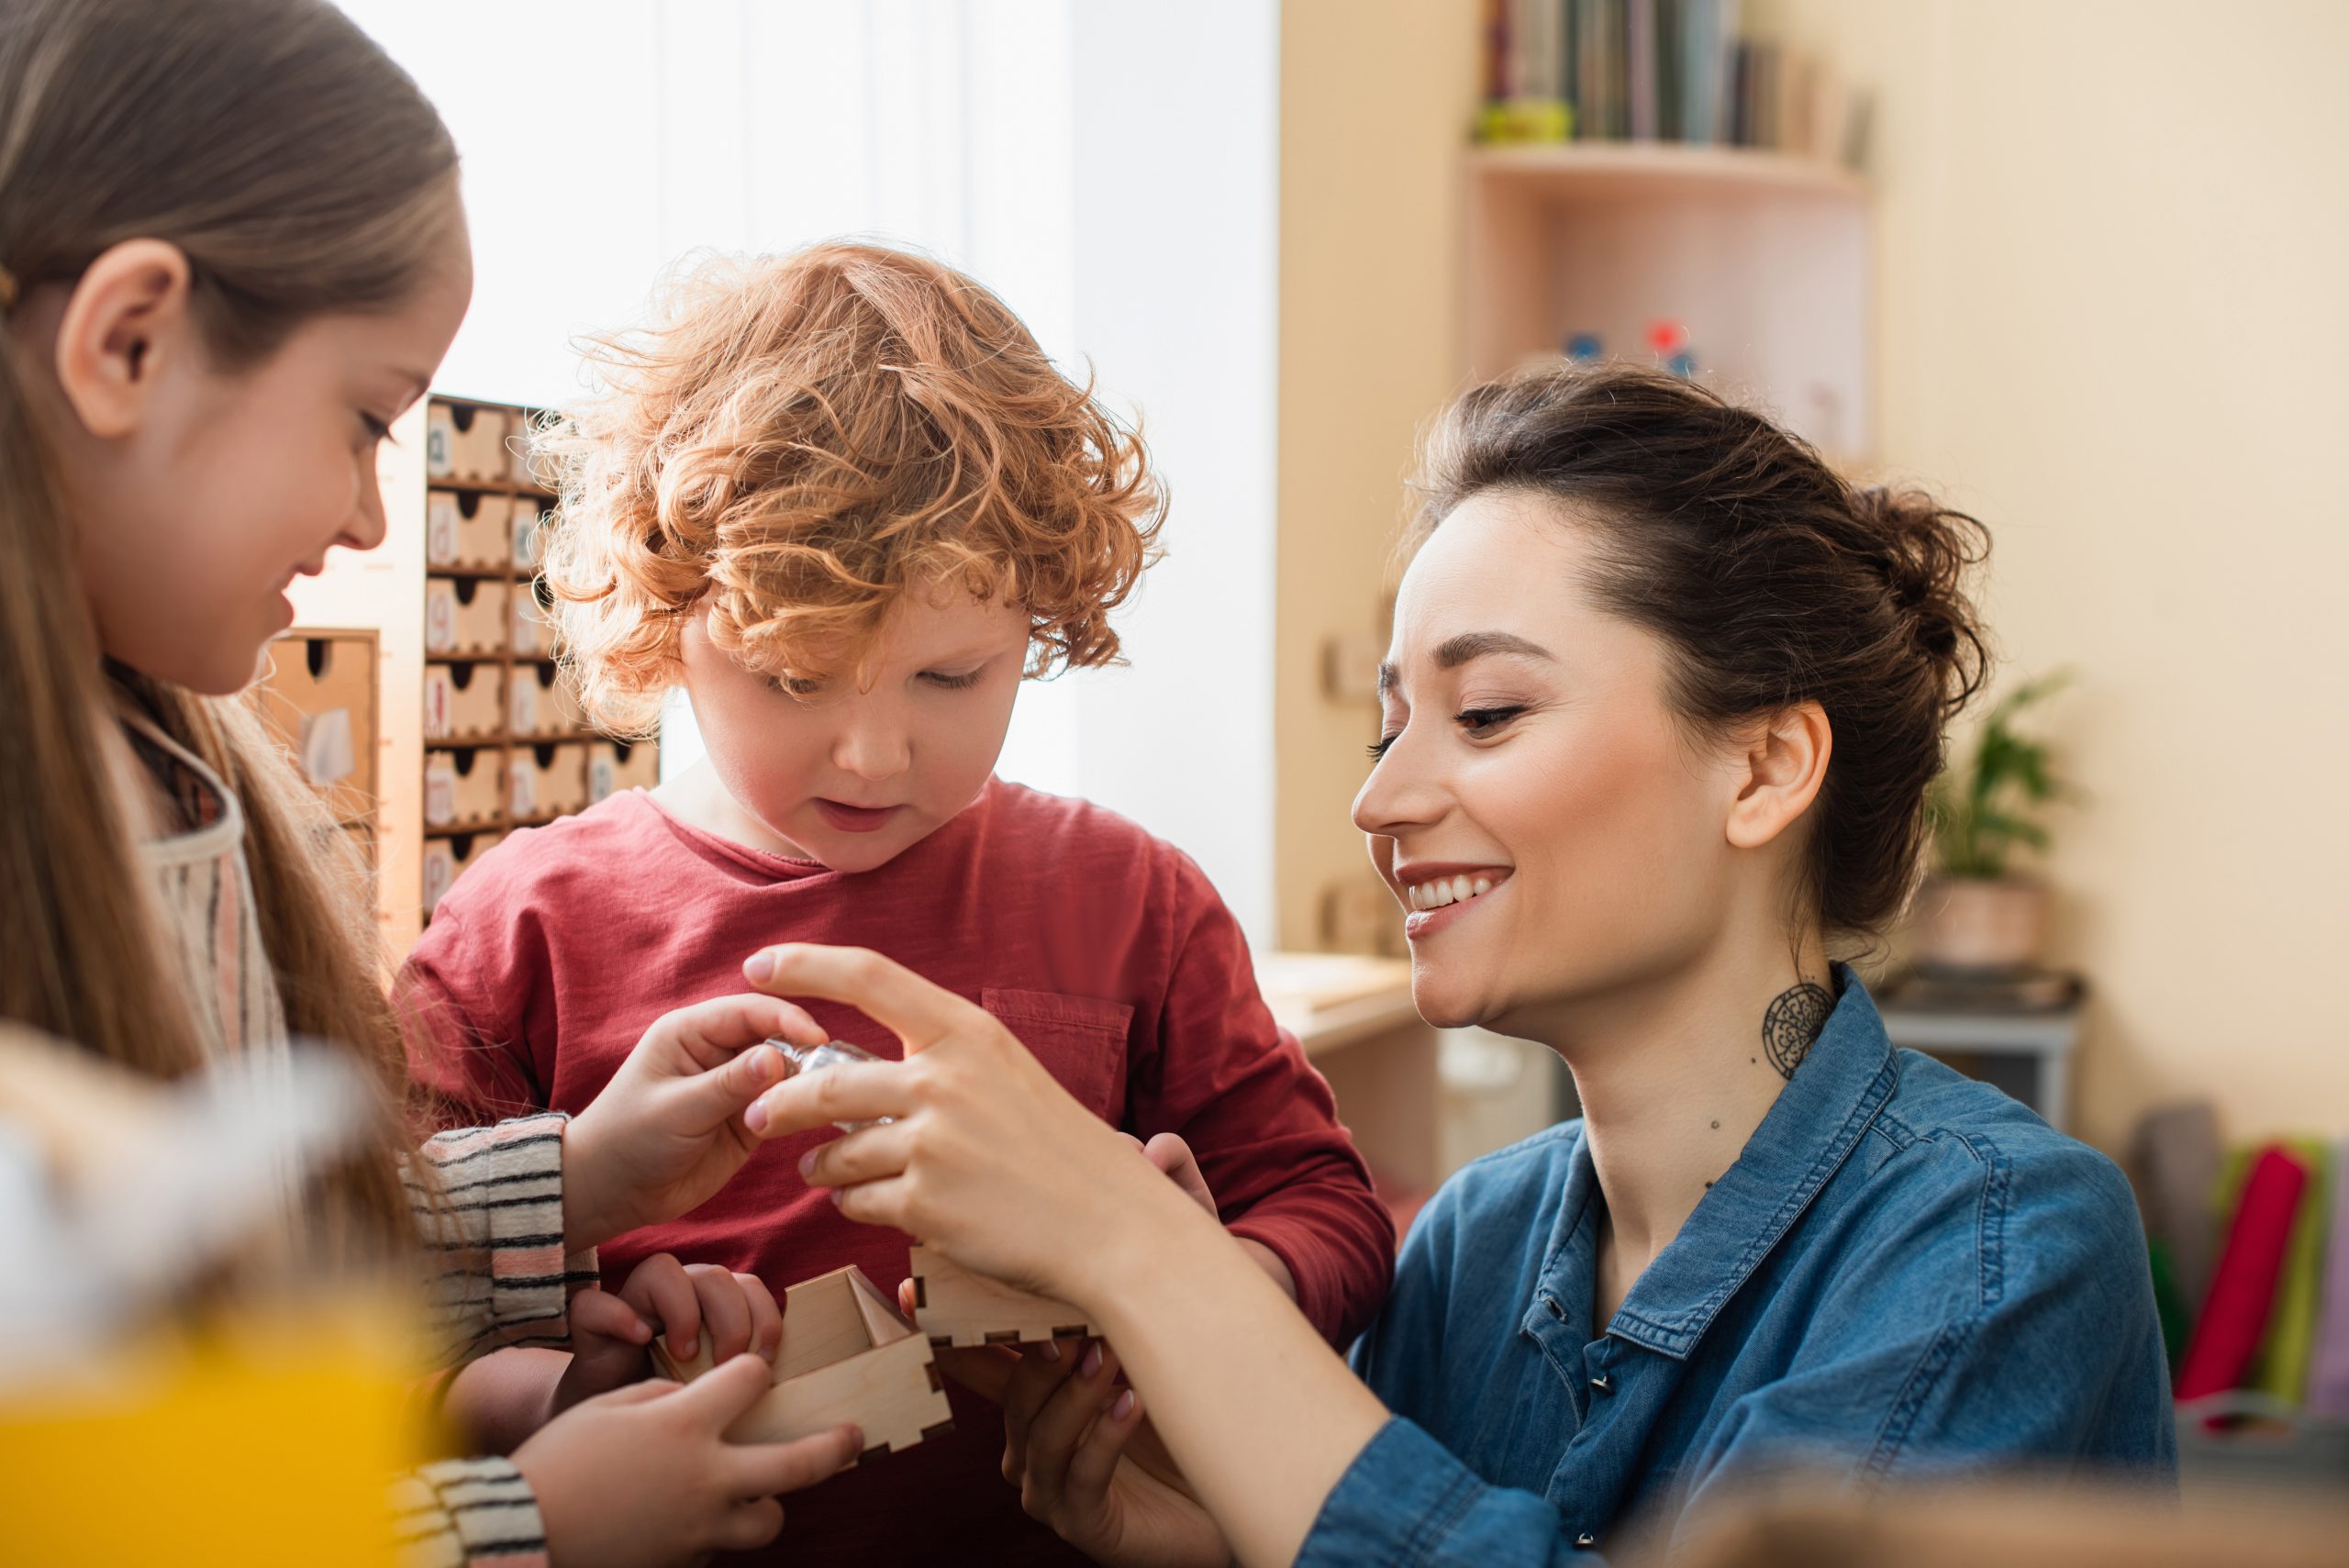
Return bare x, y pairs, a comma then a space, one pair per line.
1504, 121
2178, 1323
1982, 809
2281, 1368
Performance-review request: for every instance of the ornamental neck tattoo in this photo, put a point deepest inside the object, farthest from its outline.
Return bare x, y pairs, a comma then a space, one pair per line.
1793, 1023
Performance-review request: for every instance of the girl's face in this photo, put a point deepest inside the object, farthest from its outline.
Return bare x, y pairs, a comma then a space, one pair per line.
853, 777
1546, 823
199, 495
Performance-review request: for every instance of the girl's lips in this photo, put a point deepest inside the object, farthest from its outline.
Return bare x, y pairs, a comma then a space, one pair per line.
856, 818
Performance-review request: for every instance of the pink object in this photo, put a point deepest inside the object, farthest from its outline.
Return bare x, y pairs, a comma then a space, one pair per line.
1666, 338
2242, 1288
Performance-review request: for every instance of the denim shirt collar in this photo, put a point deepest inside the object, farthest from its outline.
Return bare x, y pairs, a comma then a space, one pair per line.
1811, 1128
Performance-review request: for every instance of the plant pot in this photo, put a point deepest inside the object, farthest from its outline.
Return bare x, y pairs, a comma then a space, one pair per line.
1980, 925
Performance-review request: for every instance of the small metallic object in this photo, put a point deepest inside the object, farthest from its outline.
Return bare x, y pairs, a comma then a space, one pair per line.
831, 1053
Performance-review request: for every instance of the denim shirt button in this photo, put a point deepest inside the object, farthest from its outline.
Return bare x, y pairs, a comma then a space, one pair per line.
1585, 1541
1604, 1383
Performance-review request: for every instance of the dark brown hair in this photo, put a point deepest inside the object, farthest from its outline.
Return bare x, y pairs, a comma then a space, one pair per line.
1771, 578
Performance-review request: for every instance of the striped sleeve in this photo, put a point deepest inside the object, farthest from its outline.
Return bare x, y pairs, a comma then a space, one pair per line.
488, 1207
457, 1513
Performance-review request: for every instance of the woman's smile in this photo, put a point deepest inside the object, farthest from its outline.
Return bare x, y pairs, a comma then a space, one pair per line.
1440, 894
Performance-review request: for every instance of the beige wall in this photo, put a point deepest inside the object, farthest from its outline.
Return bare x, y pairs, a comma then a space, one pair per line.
1377, 98
2115, 254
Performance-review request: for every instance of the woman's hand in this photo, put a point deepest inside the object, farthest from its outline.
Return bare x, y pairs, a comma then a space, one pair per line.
644, 1478
611, 1336
667, 1132
1069, 1426
986, 1157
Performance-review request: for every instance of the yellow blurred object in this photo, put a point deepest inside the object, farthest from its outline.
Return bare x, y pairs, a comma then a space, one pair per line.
243, 1448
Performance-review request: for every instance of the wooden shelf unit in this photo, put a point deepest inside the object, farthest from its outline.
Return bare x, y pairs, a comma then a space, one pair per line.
1765, 258
462, 508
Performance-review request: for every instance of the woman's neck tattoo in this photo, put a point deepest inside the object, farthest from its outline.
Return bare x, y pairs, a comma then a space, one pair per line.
1793, 1022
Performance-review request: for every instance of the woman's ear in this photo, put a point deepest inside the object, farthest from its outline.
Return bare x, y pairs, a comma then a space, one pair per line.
1784, 764
127, 317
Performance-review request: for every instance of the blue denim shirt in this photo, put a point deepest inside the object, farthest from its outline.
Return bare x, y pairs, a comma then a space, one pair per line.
1905, 1274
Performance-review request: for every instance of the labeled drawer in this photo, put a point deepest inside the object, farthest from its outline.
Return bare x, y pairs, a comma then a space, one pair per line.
466, 444
539, 702
445, 860
548, 780
464, 616
318, 695
466, 528
522, 534
614, 765
464, 788
531, 633
462, 702
519, 466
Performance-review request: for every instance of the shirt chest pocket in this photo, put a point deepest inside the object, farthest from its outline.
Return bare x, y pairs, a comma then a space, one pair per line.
1081, 1041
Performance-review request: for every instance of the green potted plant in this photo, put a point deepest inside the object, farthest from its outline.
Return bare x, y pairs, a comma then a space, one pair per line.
1979, 912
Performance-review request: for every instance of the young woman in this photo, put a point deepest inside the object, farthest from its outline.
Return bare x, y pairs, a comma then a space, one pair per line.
231, 253
1663, 701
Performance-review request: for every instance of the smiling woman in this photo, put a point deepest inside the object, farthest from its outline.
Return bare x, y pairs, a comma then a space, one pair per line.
1663, 697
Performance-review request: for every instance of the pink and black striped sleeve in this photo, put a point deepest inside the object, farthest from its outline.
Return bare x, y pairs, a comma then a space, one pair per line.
488, 1206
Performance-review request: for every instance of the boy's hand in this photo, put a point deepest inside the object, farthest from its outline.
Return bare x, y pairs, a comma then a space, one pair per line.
644, 1478
667, 1132
611, 1336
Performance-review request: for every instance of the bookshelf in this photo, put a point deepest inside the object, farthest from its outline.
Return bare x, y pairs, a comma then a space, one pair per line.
478, 735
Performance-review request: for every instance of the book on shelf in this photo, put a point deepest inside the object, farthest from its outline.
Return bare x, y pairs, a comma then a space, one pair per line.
1659, 70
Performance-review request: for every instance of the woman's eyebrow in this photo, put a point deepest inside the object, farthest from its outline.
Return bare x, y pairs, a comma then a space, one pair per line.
1454, 652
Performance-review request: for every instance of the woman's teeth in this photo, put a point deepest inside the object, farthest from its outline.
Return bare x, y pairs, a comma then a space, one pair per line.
1446, 890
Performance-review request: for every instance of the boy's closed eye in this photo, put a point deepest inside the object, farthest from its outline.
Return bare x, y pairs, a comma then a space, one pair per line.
944, 679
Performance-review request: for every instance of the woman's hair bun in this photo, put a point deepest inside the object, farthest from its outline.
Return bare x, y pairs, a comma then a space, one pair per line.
1926, 551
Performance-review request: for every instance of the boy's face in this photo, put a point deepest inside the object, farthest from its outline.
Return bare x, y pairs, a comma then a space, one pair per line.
852, 778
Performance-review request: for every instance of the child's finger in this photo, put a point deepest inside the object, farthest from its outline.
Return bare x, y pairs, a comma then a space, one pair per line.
865, 1155
726, 1091
918, 1012
664, 1292
724, 1394
725, 1314
747, 1527
766, 1315
1171, 1154
713, 1032
597, 1313
763, 1470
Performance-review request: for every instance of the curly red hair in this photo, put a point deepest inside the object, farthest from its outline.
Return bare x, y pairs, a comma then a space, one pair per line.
799, 440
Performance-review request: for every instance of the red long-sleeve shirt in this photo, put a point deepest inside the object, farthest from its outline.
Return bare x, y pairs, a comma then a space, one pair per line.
1105, 950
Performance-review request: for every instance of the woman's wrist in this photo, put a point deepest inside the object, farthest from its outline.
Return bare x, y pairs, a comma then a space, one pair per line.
1159, 1237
